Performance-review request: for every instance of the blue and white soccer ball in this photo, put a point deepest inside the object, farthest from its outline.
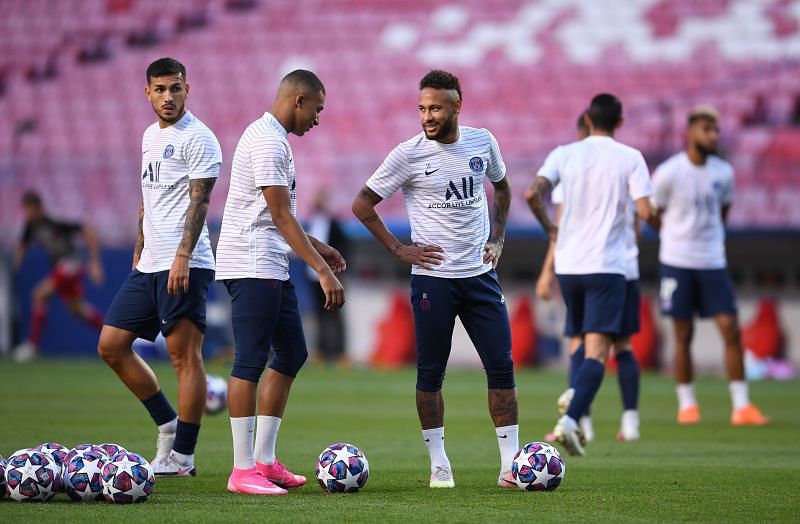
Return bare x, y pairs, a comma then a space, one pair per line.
57, 452
538, 466
128, 478
2, 476
216, 394
342, 468
82, 448
111, 448
83, 476
32, 476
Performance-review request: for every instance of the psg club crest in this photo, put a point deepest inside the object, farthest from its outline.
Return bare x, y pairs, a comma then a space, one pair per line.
170, 150
476, 164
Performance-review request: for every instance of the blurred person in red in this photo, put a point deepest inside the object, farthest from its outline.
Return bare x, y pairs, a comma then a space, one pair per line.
59, 240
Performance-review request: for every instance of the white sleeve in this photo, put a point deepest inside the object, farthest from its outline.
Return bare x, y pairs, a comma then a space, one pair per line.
639, 185
557, 196
661, 187
203, 156
391, 175
496, 170
726, 195
269, 159
550, 169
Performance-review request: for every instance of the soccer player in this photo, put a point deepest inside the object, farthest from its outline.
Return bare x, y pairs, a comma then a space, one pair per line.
453, 256
173, 266
628, 373
259, 229
598, 176
693, 194
58, 239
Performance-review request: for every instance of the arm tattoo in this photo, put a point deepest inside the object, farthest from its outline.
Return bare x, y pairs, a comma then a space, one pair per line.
139, 246
536, 202
502, 202
199, 197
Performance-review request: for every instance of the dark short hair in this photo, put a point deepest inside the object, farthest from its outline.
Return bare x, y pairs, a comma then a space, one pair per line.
439, 79
31, 198
581, 123
306, 79
165, 67
605, 112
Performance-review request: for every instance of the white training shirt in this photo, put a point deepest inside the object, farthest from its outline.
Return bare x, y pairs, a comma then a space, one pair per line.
692, 232
250, 245
631, 240
186, 150
443, 189
599, 175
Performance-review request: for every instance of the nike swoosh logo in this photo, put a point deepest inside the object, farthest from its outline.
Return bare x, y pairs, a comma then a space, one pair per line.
502, 436
431, 172
427, 440
256, 486
163, 320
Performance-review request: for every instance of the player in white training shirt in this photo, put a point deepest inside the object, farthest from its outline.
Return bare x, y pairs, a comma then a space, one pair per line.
172, 267
259, 229
598, 175
453, 254
693, 193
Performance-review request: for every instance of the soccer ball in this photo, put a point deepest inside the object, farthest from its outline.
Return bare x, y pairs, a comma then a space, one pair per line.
217, 394
111, 449
342, 468
2, 477
32, 475
57, 452
538, 466
127, 478
83, 478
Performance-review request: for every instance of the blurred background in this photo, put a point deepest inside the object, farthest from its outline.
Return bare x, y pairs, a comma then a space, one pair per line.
72, 75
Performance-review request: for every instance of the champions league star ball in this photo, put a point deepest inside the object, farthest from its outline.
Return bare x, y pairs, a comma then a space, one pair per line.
82, 448
32, 475
538, 466
217, 394
57, 452
111, 449
342, 468
83, 476
127, 478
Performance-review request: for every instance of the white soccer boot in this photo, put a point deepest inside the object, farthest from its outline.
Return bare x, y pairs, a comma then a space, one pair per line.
569, 434
170, 466
629, 426
442, 477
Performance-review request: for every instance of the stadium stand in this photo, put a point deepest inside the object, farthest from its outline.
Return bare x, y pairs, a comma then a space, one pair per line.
72, 75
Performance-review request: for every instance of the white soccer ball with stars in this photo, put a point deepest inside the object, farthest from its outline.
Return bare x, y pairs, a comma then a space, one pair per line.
128, 478
3, 464
83, 476
342, 468
538, 466
32, 476
216, 394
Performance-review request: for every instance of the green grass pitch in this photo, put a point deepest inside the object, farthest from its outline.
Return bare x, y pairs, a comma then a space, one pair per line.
710, 472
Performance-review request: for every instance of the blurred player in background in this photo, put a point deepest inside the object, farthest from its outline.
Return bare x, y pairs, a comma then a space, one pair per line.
598, 176
173, 266
693, 194
259, 230
628, 373
59, 241
330, 335
453, 258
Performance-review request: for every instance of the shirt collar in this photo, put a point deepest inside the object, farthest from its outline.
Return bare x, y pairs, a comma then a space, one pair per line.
274, 124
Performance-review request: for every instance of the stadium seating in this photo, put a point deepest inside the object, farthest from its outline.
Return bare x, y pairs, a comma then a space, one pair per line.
527, 69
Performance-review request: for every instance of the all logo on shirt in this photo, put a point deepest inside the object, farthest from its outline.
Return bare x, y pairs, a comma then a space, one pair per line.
153, 173
476, 164
169, 151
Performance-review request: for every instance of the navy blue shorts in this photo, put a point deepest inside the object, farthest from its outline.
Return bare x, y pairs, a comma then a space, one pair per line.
265, 317
144, 307
595, 303
684, 292
630, 313
479, 302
